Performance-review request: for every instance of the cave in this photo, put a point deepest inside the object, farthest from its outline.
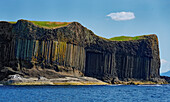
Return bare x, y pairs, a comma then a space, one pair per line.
94, 64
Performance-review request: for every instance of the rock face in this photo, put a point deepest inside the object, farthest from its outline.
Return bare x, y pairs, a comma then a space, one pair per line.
76, 50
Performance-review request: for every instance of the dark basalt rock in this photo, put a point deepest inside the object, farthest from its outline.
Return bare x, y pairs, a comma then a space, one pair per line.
166, 78
26, 46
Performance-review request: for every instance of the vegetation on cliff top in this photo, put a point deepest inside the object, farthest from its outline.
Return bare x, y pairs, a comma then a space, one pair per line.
48, 24
13, 22
126, 38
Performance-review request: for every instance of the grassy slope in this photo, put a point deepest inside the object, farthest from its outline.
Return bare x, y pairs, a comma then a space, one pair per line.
126, 38
47, 24
12, 22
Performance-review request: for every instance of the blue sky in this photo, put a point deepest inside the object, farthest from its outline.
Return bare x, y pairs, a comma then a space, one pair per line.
151, 17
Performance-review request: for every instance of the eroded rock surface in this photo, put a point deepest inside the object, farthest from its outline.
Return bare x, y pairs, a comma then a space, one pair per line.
32, 51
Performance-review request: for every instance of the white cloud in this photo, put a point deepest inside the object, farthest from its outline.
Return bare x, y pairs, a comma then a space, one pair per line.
165, 66
120, 16
164, 61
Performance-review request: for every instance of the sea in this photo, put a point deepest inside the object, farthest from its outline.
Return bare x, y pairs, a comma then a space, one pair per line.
91, 93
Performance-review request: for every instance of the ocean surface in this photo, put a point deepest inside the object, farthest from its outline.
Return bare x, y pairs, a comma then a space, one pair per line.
105, 93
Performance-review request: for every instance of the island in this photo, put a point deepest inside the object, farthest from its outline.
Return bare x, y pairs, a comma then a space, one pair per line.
67, 53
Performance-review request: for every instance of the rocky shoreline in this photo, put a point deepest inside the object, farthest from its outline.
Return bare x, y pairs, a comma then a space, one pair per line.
19, 80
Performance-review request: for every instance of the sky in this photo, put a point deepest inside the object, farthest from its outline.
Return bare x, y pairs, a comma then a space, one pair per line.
106, 18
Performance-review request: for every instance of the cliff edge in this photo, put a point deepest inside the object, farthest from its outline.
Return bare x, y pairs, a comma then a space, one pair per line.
70, 49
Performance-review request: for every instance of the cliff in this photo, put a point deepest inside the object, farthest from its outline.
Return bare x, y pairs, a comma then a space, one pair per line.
32, 51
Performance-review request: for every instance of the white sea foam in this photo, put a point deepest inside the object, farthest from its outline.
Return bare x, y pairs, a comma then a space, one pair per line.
115, 85
150, 85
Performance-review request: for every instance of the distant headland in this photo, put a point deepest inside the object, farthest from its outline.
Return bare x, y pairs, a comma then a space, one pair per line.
67, 53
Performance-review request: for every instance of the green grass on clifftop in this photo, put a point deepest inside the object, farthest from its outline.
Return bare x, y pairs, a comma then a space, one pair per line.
126, 38
48, 24
13, 22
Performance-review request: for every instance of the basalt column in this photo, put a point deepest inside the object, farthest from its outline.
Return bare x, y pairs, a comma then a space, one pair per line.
53, 52
100, 65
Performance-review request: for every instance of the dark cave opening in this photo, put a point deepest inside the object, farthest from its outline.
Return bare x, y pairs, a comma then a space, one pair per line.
94, 64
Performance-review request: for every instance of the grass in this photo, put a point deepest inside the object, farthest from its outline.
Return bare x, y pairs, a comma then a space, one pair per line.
126, 38
47, 24
13, 22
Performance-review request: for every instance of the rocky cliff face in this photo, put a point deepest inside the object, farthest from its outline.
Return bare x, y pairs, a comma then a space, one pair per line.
31, 50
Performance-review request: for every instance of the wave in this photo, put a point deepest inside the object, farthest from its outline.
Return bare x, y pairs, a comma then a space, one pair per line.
115, 85
150, 85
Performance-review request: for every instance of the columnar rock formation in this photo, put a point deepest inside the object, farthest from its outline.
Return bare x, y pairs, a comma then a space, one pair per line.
24, 46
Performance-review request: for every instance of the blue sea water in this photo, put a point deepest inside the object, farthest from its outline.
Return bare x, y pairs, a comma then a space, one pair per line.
105, 93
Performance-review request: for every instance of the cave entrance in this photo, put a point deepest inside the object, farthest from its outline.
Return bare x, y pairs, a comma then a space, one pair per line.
94, 64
